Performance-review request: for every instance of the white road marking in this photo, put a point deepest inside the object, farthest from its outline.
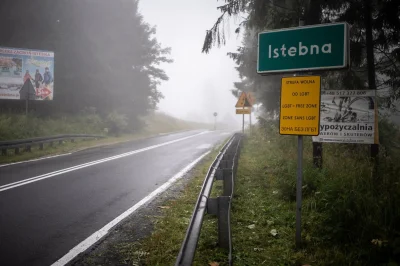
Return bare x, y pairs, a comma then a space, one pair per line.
77, 167
34, 160
88, 242
225, 133
204, 146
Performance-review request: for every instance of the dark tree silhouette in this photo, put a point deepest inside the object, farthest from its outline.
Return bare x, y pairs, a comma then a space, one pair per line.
261, 15
106, 55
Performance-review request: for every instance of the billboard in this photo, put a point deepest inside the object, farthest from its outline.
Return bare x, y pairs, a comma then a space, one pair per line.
347, 117
20, 65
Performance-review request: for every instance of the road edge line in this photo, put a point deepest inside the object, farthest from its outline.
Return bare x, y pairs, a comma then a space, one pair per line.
96, 236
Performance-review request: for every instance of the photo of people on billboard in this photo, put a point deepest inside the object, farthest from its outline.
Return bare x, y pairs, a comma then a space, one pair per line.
18, 66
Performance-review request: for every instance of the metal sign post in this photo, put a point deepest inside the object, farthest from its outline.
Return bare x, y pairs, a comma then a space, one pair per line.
299, 115
250, 122
215, 120
299, 185
243, 123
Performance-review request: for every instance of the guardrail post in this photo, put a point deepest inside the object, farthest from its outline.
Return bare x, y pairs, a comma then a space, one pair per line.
228, 183
222, 164
28, 148
227, 157
224, 234
41, 146
60, 142
51, 144
72, 140
225, 164
220, 206
16, 151
4, 152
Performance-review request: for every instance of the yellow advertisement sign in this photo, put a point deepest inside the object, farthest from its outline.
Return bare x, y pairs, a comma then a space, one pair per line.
243, 111
300, 106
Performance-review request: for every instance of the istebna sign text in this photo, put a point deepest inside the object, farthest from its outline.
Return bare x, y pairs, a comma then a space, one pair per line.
318, 47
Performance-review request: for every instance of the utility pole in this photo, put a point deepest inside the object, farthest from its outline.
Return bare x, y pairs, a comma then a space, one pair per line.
251, 108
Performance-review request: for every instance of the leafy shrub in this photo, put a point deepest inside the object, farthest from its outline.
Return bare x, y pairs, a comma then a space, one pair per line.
117, 123
21, 126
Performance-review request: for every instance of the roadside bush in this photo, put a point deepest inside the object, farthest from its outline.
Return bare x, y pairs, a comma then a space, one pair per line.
21, 126
117, 123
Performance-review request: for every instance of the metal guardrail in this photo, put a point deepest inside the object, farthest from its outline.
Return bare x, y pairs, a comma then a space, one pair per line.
223, 168
28, 143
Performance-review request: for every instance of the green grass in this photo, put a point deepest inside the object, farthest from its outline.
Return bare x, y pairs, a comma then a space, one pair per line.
20, 126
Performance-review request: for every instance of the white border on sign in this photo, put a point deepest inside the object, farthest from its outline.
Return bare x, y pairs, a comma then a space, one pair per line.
346, 48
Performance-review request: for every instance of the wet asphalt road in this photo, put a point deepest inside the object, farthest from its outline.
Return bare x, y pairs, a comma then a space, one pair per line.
42, 220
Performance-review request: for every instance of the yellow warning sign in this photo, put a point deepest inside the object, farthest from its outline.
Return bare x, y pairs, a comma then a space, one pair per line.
246, 111
300, 106
243, 101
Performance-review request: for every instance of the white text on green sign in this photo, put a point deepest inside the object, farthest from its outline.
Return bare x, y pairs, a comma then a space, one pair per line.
322, 46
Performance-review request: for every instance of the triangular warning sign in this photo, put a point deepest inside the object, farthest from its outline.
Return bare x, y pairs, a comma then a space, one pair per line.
243, 101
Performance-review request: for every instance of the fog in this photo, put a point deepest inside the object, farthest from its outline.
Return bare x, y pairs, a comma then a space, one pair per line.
199, 83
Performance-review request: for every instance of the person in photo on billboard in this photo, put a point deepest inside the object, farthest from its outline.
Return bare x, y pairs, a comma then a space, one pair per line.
27, 76
38, 80
47, 77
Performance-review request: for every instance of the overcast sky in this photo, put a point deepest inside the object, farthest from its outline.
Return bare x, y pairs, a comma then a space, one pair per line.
199, 83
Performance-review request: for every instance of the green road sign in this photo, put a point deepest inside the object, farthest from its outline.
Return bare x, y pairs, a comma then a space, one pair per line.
317, 47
